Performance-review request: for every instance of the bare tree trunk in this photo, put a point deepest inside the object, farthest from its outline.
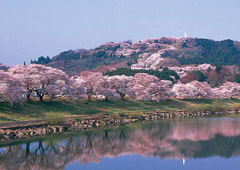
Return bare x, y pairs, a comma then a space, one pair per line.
106, 98
89, 97
40, 95
29, 97
122, 96
52, 97
41, 98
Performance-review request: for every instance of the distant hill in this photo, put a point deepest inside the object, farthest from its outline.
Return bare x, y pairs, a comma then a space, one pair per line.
3, 67
146, 54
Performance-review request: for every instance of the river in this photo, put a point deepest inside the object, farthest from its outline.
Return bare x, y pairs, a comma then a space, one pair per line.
182, 144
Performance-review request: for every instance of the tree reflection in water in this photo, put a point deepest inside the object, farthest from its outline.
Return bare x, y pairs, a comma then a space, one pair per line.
191, 138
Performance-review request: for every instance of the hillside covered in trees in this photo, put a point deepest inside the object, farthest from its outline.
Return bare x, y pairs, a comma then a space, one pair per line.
165, 74
147, 54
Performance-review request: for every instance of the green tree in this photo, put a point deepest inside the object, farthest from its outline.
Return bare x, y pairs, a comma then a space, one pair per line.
201, 76
218, 68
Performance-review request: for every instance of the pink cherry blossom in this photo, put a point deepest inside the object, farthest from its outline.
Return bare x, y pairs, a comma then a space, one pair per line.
227, 90
149, 87
39, 79
192, 90
10, 88
121, 85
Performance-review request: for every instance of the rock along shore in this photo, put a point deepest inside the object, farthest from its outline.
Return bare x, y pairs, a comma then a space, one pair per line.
19, 131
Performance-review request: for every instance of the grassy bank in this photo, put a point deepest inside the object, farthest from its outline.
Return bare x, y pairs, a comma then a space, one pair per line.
57, 109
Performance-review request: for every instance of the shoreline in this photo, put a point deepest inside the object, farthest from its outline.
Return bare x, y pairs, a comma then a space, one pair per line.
39, 128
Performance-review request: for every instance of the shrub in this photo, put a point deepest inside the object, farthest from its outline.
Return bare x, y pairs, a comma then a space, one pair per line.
54, 119
201, 76
218, 68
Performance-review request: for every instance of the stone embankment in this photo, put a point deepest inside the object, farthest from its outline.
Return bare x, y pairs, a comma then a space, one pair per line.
82, 124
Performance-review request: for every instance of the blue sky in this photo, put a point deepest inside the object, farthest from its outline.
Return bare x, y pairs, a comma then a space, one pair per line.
33, 28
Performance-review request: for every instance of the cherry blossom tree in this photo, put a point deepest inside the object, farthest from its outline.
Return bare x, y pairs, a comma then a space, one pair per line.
91, 83
104, 89
149, 87
10, 88
39, 79
76, 90
52, 82
27, 78
58, 89
227, 90
192, 90
22, 81
121, 85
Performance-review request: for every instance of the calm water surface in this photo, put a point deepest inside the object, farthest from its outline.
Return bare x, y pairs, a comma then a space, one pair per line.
185, 144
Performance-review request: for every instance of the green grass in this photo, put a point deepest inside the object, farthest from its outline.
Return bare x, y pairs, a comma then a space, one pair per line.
59, 109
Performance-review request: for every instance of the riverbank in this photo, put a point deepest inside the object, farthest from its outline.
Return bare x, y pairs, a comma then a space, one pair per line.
51, 111
80, 122
42, 127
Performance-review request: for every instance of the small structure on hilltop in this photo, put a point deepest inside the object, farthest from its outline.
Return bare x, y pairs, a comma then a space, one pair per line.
185, 35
